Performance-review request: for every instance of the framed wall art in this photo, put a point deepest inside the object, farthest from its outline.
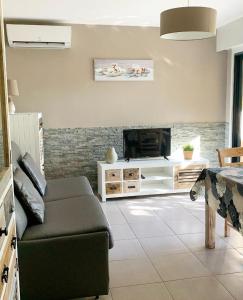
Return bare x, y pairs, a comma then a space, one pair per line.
123, 70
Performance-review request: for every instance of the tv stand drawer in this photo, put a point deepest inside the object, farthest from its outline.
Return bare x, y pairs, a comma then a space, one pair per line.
131, 174
113, 188
113, 175
131, 187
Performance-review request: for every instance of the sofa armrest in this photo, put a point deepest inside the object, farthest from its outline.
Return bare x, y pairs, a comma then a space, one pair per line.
64, 267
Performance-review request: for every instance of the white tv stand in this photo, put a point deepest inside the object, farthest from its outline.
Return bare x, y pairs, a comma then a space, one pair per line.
147, 177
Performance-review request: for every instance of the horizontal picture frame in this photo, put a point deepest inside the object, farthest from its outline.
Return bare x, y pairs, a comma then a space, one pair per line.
123, 70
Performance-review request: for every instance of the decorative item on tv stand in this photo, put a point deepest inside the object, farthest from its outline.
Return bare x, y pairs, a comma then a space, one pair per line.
12, 92
111, 156
188, 151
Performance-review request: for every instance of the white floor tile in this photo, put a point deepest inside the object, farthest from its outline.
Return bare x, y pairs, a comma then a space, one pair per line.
132, 272
179, 266
240, 250
139, 214
235, 239
233, 283
147, 203
115, 217
156, 246
109, 206
198, 289
196, 242
221, 261
188, 203
154, 291
166, 203
136, 203
174, 214
219, 228
198, 212
186, 226
122, 232
151, 229
126, 249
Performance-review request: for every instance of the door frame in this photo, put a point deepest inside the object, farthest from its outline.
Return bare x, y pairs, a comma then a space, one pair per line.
237, 100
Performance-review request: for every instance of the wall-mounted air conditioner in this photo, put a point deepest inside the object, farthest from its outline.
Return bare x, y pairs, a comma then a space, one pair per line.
39, 36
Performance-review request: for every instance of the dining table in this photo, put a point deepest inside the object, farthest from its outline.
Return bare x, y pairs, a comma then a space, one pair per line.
223, 192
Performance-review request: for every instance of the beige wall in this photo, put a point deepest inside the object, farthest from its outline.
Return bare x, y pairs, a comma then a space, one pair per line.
189, 85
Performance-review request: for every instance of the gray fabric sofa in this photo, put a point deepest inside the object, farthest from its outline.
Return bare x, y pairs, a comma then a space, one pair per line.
66, 257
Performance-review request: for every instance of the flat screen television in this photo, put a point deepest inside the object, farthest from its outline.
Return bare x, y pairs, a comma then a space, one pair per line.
142, 143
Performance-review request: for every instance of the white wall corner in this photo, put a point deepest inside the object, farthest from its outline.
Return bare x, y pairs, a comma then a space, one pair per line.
230, 35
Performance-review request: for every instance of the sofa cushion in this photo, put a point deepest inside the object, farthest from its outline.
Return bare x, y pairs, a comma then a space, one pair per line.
29, 197
21, 219
62, 188
33, 171
68, 217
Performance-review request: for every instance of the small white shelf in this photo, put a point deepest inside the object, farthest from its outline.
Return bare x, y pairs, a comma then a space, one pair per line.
156, 178
154, 190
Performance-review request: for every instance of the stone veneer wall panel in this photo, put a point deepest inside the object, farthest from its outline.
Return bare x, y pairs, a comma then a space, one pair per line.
75, 151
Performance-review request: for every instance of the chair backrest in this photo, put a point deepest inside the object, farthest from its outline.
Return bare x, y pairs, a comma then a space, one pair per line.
229, 153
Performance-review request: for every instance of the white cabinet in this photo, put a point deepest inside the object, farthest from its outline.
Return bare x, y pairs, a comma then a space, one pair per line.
147, 177
27, 131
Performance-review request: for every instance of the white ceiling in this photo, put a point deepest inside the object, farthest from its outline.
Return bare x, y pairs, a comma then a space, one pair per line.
112, 12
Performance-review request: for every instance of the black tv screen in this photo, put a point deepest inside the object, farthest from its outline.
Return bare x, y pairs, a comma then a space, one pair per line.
141, 143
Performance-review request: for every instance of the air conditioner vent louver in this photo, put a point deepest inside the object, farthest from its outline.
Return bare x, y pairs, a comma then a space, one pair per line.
49, 45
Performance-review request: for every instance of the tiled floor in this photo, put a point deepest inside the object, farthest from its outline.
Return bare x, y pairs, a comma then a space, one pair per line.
159, 252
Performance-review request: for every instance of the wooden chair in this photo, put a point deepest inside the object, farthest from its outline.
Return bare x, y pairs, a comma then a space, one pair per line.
222, 155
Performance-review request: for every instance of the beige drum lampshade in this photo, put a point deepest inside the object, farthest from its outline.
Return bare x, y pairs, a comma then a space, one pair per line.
13, 87
188, 23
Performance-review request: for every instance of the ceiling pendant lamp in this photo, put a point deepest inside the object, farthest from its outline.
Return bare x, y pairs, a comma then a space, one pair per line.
188, 23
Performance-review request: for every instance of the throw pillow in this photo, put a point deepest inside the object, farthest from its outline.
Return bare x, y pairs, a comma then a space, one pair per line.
32, 170
21, 219
29, 197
